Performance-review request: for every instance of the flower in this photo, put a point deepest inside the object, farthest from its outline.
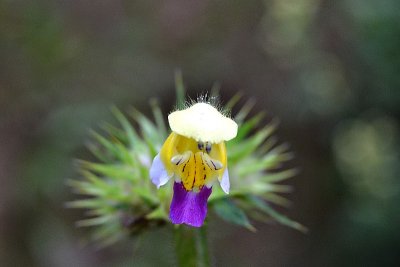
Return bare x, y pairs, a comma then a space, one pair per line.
194, 155
120, 200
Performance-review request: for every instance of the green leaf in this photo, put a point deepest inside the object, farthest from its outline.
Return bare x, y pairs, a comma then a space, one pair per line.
276, 199
263, 206
233, 101
95, 180
279, 176
229, 212
145, 195
115, 132
158, 213
244, 111
215, 91
86, 188
180, 90
90, 203
160, 122
115, 171
245, 148
127, 126
269, 161
148, 129
109, 233
107, 144
99, 153
94, 221
249, 125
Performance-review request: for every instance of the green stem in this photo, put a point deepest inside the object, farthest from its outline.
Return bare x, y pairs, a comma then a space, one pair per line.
191, 246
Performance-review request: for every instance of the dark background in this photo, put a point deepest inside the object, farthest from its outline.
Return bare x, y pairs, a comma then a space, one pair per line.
329, 70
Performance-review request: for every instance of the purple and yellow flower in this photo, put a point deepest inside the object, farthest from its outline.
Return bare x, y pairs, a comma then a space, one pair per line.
195, 156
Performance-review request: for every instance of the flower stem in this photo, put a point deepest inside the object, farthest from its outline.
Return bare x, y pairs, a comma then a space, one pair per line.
191, 246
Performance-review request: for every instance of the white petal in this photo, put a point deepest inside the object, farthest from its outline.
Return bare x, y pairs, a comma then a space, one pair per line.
212, 162
217, 164
224, 182
203, 122
158, 173
181, 158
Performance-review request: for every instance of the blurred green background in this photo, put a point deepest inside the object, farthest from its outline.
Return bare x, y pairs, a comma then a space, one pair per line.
329, 70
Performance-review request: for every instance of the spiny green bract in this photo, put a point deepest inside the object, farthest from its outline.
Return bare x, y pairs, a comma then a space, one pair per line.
121, 200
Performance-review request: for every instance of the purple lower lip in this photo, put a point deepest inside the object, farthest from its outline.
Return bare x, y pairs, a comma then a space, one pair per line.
189, 207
